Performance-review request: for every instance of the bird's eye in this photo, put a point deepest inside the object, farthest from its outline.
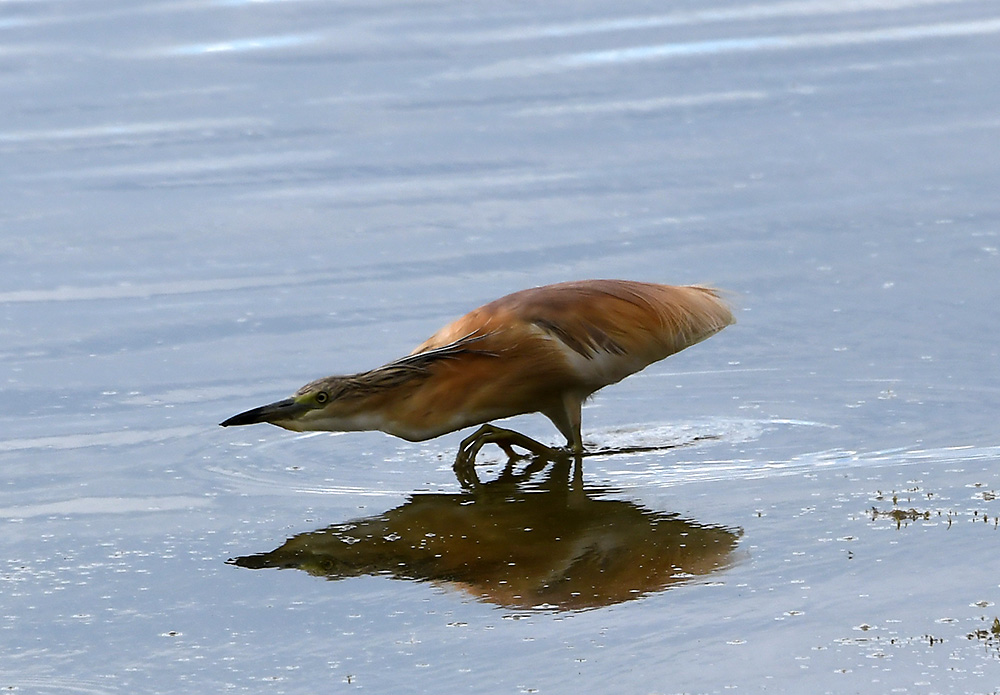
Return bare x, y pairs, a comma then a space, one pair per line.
321, 397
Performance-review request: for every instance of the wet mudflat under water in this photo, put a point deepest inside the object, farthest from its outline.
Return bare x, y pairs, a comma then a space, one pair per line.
208, 204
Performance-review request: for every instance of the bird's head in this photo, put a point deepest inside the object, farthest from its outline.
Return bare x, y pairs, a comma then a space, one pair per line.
315, 406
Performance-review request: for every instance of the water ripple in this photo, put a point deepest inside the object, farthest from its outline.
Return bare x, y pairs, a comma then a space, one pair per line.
144, 290
635, 54
702, 16
78, 441
104, 505
659, 473
254, 43
118, 130
646, 105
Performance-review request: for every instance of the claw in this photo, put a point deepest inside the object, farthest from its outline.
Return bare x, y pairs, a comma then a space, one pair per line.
465, 460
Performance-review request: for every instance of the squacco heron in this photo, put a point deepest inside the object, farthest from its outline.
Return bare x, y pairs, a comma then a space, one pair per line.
542, 350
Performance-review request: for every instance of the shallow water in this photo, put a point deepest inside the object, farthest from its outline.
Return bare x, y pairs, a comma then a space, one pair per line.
208, 204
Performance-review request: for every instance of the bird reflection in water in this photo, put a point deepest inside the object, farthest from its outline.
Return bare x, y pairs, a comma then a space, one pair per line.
553, 544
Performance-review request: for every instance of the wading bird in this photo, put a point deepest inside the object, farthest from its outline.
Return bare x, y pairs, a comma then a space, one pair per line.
542, 350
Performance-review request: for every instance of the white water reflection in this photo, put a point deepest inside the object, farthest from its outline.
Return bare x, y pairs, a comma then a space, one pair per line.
744, 13
244, 45
139, 290
750, 44
116, 131
183, 171
646, 105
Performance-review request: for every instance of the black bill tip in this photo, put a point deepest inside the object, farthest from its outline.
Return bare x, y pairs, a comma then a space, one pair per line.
282, 410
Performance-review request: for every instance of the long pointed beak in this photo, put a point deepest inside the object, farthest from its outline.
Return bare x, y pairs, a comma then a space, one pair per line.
287, 409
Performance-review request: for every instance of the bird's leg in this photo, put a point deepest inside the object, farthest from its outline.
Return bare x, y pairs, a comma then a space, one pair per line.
506, 439
567, 420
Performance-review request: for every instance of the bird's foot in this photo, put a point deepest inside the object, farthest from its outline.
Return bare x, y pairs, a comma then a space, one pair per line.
465, 461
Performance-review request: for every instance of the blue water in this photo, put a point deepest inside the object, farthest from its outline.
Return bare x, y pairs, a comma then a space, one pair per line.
207, 205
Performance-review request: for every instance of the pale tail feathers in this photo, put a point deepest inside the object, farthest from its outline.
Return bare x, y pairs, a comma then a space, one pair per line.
632, 319
702, 314
619, 328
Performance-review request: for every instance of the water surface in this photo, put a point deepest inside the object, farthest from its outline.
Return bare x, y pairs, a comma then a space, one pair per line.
208, 204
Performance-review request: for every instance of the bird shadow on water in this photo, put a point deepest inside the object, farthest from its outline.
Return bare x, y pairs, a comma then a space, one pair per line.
524, 540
